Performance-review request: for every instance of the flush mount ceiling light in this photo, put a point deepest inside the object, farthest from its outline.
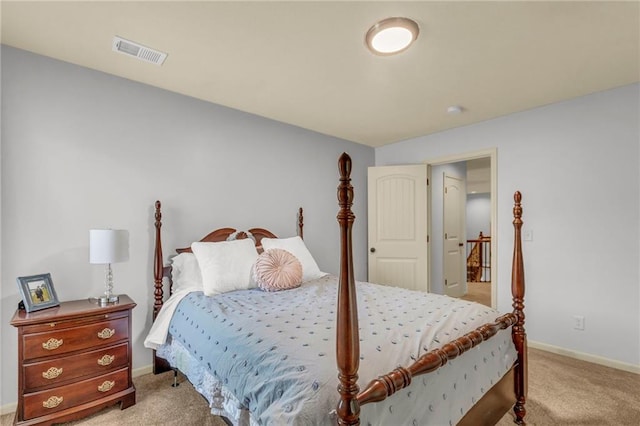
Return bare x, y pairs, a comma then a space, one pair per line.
391, 36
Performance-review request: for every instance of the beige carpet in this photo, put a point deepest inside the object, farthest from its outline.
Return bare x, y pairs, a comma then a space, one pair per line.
562, 391
478, 292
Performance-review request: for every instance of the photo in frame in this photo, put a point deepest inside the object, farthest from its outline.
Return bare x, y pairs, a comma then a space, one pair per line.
37, 292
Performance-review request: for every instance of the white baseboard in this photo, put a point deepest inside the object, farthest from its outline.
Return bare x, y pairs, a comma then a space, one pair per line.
8, 408
11, 408
619, 365
142, 371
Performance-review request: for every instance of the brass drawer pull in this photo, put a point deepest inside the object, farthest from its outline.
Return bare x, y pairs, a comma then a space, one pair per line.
52, 402
52, 373
52, 344
106, 386
106, 333
106, 359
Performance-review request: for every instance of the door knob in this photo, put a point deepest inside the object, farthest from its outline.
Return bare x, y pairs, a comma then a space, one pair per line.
372, 249
460, 244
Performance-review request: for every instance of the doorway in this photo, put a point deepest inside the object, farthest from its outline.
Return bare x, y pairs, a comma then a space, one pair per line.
457, 164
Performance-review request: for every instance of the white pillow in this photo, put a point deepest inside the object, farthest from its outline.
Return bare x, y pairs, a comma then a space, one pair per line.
295, 246
185, 272
226, 266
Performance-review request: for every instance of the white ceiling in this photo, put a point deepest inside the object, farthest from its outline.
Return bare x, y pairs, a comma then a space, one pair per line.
305, 63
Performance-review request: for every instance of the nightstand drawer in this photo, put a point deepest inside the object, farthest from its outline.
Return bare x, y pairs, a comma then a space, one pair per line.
57, 342
61, 370
49, 401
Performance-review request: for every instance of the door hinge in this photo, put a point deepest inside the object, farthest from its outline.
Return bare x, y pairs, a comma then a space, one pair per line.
427, 238
445, 236
427, 181
445, 189
445, 282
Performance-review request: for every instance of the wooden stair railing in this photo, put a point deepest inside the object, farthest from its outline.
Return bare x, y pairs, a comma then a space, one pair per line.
479, 259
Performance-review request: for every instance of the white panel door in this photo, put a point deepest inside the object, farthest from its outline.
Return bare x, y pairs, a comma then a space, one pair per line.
455, 280
398, 226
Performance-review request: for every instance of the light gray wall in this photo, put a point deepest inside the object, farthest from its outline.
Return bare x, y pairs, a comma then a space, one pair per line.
458, 170
82, 149
478, 215
576, 163
2, 310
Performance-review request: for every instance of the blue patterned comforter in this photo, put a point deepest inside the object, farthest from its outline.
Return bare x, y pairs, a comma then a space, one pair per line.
275, 352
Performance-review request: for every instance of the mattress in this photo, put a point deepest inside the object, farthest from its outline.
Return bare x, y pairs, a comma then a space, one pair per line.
269, 358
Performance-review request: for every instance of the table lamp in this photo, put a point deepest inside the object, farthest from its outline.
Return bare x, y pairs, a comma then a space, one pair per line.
107, 246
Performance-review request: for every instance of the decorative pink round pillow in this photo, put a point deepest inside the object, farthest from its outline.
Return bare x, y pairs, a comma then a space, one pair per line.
276, 270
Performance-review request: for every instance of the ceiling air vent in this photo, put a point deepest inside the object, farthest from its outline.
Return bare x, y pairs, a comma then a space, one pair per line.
139, 51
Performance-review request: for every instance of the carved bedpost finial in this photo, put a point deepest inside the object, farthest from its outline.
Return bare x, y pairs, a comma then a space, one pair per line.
344, 166
157, 263
519, 334
158, 213
347, 337
345, 190
517, 207
300, 223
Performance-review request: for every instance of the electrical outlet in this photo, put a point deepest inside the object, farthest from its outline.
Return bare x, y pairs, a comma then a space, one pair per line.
578, 322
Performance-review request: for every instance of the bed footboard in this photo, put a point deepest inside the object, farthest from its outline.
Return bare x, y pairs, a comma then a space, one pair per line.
347, 336
384, 386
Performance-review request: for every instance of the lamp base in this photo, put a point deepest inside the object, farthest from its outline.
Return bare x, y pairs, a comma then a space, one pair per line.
104, 300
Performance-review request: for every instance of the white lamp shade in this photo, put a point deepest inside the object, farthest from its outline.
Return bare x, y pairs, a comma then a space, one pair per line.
108, 245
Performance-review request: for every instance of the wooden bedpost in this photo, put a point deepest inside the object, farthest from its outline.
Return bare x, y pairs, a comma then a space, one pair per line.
159, 365
518, 333
347, 336
157, 264
300, 223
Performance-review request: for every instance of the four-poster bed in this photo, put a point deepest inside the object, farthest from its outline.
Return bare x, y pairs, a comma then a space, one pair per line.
225, 370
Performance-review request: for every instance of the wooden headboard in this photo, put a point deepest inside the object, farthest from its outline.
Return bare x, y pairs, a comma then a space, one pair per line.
160, 271
224, 234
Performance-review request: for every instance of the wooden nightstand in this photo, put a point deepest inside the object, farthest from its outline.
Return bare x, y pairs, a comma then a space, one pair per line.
73, 360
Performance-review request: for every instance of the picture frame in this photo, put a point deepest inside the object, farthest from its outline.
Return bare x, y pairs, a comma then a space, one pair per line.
38, 292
